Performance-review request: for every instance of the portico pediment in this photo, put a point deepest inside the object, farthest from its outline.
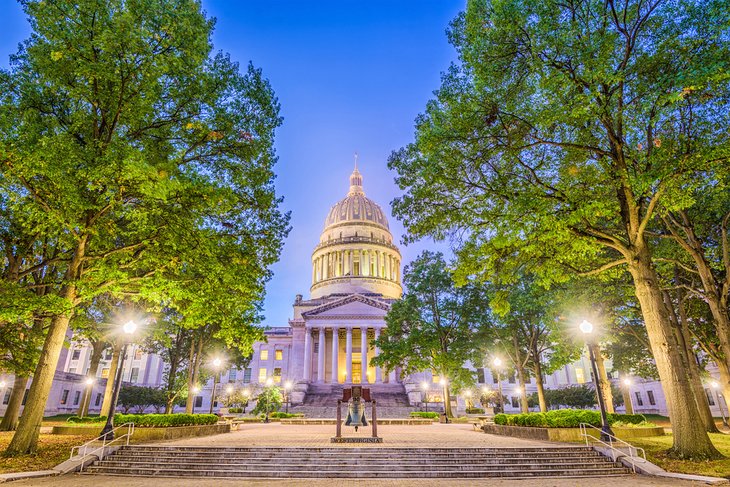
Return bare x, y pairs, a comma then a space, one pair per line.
353, 306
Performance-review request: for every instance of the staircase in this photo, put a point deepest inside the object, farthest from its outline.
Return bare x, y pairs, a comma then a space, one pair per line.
272, 462
321, 401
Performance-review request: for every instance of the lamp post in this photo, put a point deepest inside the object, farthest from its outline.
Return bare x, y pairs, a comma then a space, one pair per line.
246, 394
467, 395
108, 432
719, 395
229, 391
498, 367
287, 388
195, 390
269, 382
424, 388
627, 385
587, 328
446, 398
216, 366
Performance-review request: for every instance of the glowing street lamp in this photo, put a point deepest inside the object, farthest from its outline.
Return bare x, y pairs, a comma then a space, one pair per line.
587, 328
719, 395
246, 394
195, 390
108, 432
498, 367
216, 366
468, 394
424, 388
84, 409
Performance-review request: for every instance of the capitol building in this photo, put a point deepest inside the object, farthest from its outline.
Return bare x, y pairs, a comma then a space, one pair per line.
329, 341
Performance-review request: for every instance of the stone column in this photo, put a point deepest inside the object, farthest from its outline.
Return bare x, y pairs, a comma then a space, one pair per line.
378, 371
378, 257
388, 266
320, 357
307, 354
348, 356
335, 355
314, 271
364, 354
366, 263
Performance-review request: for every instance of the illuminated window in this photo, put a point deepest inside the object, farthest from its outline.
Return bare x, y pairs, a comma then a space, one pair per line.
580, 375
279, 355
436, 379
262, 375
264, 355
138, 354
277, 375
104, 373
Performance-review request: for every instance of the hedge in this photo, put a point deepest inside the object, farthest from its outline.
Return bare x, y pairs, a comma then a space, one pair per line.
235, 410
474, 411
164, 420
424, 414
280, 415
86, 419
564, 418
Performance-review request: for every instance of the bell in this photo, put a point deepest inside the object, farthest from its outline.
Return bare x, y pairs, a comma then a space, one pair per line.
356, 414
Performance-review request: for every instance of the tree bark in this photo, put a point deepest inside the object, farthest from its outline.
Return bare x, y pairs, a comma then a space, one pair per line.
626, 394
194, 372
109, 389
12, 413
602, 380
25, 439
171, 396
96, 354
537, 368
447, 400
524, 406
690, 440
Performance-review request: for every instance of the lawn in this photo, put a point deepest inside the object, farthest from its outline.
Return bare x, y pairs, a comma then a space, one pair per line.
656, 448
52, 450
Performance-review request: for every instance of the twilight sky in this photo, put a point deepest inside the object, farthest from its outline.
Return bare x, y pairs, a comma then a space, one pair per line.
350, 76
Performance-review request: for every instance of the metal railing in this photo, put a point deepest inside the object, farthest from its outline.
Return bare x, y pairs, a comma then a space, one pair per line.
623, 449
84, 450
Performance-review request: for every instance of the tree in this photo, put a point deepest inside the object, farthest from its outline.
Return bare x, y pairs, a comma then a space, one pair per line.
559, 135
149, 158
434, 326
268, 400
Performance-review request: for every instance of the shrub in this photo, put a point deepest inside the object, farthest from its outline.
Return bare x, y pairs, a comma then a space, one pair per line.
474, 411
565, 418
280, 415
86, 419
165, 420
235, 410
424, 414
623, 424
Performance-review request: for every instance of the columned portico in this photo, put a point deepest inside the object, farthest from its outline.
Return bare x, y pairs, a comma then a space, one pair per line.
335, 355
364, 355
348, 356
320, 356
378, 371
307, 354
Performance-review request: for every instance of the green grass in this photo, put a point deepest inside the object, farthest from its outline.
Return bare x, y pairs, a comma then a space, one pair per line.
52, 450
656, 452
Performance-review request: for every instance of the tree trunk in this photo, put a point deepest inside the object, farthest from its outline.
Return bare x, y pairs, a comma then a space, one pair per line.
195, 369
10, 419
602, 380
447, 400
96, 354
109, 389
25, 439
690, 440
537, 367
626, 394
170, 386
524, 406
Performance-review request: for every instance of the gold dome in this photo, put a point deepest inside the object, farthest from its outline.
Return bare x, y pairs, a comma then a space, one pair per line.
356, 207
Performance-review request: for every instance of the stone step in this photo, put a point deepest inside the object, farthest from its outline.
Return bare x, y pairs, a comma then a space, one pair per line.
364, 473
344, 451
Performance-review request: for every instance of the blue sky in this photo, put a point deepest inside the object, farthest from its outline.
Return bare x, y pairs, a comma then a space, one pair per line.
350, 76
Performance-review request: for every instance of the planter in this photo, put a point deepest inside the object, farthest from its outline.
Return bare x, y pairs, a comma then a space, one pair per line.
566, 434
149, 434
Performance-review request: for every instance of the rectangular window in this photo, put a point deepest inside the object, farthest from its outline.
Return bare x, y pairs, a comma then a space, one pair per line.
107, 354
495, 379
262, 375
64, 396
98, 399
277, 375
134, 375
138, 354
512, 379
651, 397
232, 375
710, 398
279, 355
480, 376
264, 355
435, 378
77, 397
6, 399
76, 354
105, 373
515, 402
198, 401
639, 401
72, 370
580, 375
246, 375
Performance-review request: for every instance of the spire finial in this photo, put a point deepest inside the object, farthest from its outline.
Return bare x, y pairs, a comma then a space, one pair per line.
356, 179
357, 157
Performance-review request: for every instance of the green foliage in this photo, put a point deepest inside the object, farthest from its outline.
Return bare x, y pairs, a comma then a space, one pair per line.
235, 410
86, 419
474, 411
424, 414
564, 418
140, 398
577, 396
624, 424
283, 415
165, 420
268, 400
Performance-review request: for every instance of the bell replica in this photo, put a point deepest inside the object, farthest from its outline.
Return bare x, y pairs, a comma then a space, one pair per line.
356, 409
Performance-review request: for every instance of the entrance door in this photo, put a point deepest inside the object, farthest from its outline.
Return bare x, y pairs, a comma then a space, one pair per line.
356, 372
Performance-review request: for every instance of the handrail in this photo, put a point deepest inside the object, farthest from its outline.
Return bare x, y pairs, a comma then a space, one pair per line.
616, 453
104, 444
